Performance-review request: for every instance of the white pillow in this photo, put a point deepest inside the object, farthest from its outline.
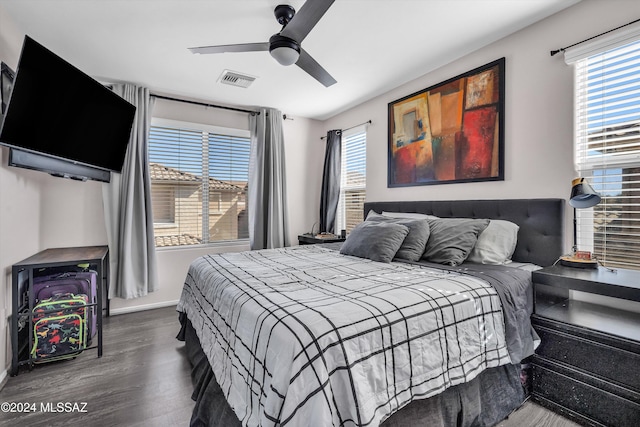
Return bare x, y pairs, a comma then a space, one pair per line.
412, 215
496, 243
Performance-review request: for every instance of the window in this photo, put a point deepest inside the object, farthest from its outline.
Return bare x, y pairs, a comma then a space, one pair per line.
607, 150
199, 180
353, 179
163, 204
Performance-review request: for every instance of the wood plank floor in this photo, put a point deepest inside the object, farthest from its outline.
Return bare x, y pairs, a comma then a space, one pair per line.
142, 379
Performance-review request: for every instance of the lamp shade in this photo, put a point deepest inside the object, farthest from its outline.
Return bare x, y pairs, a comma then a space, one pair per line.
285, 55
582, 195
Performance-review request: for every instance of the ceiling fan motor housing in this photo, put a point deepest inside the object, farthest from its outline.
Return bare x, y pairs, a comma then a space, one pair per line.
284, 13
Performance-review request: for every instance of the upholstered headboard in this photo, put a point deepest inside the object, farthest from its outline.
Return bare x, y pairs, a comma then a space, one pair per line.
541, 221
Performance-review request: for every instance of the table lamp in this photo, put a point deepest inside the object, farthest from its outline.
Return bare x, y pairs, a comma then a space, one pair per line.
582, 197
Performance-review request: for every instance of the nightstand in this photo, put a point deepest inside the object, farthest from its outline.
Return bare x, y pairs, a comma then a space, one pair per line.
310, 239
587, 366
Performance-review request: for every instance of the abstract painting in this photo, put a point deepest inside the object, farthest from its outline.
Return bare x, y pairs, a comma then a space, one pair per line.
450, 132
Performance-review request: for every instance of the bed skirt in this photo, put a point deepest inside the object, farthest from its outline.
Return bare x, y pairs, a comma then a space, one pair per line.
484, 401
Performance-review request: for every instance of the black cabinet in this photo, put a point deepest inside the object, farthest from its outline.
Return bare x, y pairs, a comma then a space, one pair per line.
587, 364
22, 275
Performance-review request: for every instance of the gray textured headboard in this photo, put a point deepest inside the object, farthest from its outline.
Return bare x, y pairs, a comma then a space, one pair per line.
541, 221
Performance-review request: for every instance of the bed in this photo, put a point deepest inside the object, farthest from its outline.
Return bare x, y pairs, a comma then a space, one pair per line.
315, 335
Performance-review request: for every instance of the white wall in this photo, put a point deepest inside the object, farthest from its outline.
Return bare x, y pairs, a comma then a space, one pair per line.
20, 202
304, 153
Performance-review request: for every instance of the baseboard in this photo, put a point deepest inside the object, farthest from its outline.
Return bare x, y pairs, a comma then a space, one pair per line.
125, 310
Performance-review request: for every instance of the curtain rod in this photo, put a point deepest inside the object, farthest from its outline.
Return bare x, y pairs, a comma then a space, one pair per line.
368, 122
204, 104
562, 49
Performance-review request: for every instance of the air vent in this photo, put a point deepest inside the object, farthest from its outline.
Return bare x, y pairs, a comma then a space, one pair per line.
234, 78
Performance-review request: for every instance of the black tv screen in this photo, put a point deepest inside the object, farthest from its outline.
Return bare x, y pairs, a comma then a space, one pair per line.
58, 110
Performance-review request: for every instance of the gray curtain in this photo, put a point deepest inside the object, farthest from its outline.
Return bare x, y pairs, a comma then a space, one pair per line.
127, 207
330, 194
267, 187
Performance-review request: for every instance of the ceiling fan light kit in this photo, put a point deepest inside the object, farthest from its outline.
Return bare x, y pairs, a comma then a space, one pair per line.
284, 46
285, 50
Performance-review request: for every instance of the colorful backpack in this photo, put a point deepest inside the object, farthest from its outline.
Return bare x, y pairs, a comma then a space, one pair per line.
59, 327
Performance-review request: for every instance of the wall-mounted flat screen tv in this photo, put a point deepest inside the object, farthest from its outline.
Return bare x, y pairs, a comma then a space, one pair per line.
60, 112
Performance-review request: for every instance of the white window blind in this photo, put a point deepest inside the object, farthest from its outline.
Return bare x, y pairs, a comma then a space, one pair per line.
607, 152
353, 179
199, 181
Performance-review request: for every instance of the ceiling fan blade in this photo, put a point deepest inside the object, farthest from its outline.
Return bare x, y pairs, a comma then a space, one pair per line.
305, 19
226, 48
315, 70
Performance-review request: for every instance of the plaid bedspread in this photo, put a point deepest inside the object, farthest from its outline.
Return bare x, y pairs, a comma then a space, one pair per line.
304, 336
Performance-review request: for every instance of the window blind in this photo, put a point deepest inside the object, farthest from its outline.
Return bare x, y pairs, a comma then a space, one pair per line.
607, 153
199, 181
353, 179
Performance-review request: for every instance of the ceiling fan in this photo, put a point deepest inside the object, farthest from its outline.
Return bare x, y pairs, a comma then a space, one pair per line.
285, 45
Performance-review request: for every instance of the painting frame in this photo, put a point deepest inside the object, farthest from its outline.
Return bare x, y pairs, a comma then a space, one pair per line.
451, 132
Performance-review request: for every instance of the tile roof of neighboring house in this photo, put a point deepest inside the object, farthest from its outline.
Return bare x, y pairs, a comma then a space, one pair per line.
176, 240
160, 172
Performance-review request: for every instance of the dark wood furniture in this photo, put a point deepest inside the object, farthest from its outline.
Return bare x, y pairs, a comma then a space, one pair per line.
311, 239
22, 284
587, 365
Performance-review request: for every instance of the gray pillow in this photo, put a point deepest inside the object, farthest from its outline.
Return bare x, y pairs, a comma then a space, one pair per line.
414, 244
412, 215
377, 241
452, 239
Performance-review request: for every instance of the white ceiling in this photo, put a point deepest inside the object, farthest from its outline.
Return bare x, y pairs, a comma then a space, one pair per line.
368, 46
